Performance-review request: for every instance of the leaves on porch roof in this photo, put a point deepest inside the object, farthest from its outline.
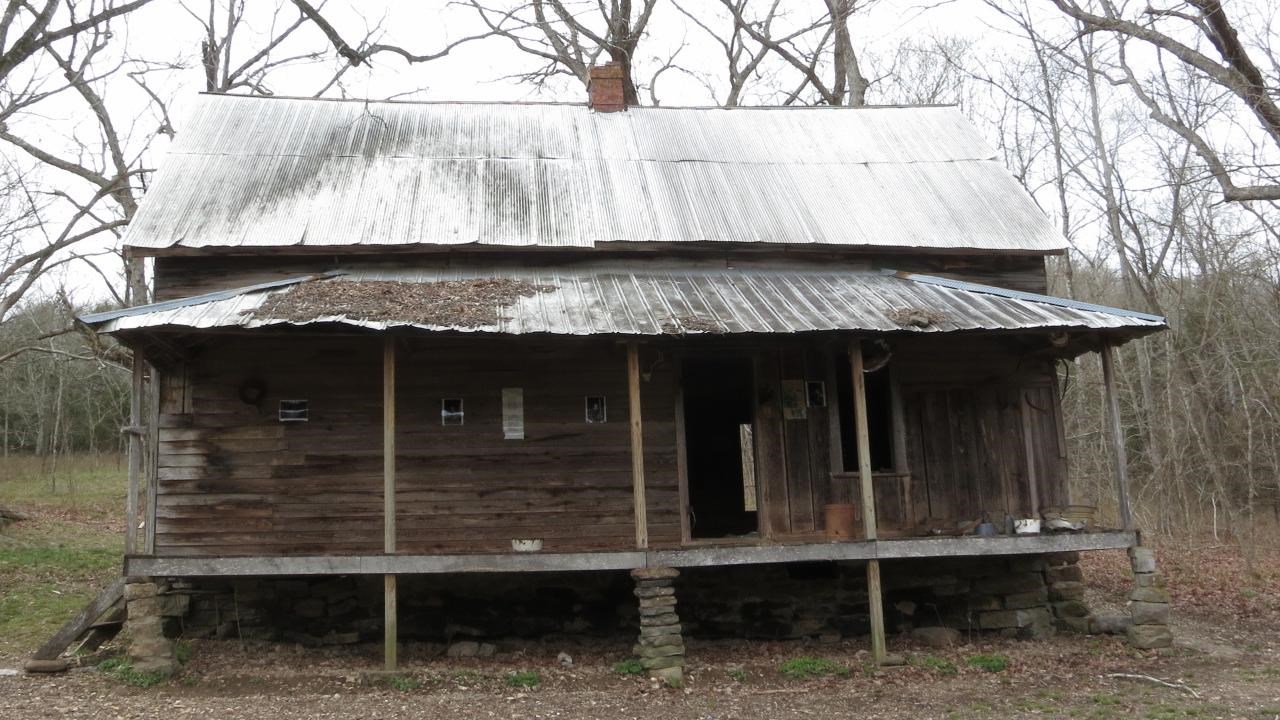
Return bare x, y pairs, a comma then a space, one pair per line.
449, 303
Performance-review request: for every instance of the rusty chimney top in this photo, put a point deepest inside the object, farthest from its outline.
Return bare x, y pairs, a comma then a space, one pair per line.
605, 88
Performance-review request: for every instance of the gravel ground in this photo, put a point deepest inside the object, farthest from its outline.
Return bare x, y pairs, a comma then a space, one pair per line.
1235, 671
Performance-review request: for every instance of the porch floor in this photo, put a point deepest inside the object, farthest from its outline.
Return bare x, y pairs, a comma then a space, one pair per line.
700, 556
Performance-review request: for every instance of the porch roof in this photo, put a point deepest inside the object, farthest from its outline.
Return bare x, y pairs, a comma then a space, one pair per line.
615, 301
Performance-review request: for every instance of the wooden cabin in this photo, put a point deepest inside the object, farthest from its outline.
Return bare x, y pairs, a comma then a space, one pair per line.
394, 338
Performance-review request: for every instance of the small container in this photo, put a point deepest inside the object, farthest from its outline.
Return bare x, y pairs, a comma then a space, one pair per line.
1026, 526
986, 529
533, 545
838, 518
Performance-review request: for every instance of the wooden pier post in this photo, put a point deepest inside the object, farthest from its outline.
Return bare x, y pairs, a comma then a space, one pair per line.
390, 634
637, 445
874, 599
1117, 436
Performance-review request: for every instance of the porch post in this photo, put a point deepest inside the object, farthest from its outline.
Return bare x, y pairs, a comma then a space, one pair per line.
135, 456
874, 600
637, 445
390, 633
1117, 435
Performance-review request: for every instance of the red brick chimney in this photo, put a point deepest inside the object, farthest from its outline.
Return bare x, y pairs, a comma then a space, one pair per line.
605, 88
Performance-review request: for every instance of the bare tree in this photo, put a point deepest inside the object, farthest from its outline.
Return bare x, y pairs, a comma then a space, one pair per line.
1174, 31
571, 36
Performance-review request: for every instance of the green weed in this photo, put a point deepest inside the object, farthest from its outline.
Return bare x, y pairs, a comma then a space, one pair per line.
989, 663
121, 669
942, 666
527, 679
630, 666
737, 674
404, 683
807, 668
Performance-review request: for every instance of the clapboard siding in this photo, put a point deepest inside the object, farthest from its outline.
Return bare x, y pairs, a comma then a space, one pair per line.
981, 415
177, 277
235, 480
969, 411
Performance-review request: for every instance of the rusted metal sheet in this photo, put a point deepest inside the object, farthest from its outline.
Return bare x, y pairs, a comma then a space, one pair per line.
278, 172
603, 299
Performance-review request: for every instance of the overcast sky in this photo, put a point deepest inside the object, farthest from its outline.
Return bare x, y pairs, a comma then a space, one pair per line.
167, 31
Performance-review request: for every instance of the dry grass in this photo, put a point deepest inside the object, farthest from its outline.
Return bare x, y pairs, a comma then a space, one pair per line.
54, 563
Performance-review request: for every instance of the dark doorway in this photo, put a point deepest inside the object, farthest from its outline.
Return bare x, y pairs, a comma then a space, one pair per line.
719, 451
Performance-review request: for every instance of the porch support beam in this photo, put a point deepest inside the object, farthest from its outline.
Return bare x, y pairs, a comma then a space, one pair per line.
1116, 433
637, 445
903, 548
136, 433
874, 599
152, 474
390, 638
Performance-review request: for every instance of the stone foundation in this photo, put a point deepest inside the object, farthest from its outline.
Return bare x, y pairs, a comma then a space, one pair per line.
1148, 603
149, 650
1017, 596
661, 645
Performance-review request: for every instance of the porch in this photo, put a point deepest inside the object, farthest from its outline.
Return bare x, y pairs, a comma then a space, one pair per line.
860, 550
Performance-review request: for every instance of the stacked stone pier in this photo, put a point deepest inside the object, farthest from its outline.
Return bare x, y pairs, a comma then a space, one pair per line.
1148, 603
661, 646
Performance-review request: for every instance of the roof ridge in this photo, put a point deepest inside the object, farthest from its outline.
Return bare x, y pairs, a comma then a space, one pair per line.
583, 106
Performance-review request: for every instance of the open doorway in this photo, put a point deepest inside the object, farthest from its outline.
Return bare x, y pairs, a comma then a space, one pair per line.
719, 450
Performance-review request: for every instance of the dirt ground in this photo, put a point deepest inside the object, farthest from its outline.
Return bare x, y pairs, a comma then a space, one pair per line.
1226, 665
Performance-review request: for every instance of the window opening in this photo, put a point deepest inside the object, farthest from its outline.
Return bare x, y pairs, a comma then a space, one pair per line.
879, 415
596, 409
451, 412
294, 410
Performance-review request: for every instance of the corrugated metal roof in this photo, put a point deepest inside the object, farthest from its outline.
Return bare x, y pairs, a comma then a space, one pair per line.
603, 300
288, 172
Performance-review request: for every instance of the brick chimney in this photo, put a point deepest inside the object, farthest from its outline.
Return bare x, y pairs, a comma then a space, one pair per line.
605, 88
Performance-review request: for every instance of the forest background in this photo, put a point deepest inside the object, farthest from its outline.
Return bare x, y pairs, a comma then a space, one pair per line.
1150, 135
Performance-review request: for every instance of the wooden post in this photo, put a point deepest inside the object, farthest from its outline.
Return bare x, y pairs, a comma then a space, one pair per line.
1117, 436
135, 456
153, 463
682, 464
874, 599
390, 633
637, 445
1029, 450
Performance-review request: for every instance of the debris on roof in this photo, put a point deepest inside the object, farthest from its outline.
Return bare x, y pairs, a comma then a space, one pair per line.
473, 302
610, 299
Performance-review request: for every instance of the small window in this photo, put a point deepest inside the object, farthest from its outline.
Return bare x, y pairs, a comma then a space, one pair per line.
293, 411
451, 411
597, 410
817, 392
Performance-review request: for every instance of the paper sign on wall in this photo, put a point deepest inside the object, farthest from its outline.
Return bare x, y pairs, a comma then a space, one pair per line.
513, 413
794, 405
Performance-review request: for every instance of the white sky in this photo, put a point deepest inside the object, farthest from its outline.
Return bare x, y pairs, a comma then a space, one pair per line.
165, 31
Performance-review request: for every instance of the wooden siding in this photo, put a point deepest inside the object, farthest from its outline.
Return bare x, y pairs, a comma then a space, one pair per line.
967, 417
177, 277
235, 480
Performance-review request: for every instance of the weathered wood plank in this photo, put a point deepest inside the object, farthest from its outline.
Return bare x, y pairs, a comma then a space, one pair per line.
771, 466
627, 559
1116, 435
635, 412
75, 627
